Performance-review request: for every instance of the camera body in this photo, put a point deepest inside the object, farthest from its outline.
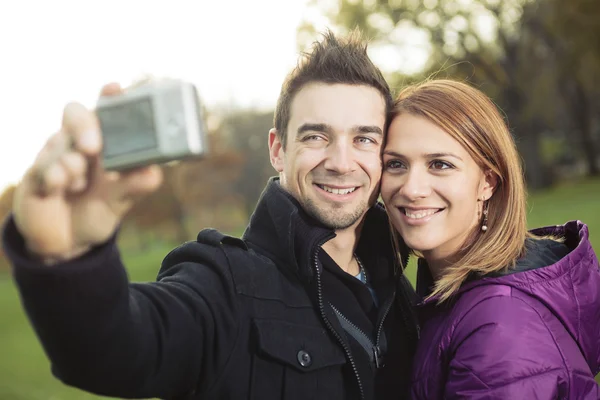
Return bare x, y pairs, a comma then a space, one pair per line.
155, 123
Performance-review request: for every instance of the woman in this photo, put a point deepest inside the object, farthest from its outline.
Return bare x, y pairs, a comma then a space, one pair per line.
506, 314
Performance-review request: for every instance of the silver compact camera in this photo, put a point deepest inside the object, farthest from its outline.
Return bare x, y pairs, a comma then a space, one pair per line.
155, 123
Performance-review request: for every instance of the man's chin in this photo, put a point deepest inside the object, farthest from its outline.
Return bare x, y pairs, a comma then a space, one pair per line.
337, 216
338, 221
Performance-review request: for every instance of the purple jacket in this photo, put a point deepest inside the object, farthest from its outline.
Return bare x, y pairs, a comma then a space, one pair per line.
532, 333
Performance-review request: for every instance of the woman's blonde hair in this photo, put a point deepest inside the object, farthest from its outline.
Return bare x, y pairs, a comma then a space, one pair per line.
472, 119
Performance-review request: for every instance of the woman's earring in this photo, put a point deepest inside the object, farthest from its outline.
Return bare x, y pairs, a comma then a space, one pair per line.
486, 206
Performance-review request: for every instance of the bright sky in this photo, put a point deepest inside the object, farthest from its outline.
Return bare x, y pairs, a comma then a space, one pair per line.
56, 51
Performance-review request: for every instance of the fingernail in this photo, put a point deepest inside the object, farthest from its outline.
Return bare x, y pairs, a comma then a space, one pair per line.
90, 141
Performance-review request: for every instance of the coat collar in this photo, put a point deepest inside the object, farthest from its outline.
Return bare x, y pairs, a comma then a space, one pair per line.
280, 229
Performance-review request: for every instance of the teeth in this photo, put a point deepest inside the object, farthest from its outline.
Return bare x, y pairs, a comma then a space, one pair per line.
420, 214
337, 191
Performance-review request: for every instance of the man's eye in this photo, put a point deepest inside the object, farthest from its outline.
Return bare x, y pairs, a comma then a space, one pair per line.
365, 140
313, 137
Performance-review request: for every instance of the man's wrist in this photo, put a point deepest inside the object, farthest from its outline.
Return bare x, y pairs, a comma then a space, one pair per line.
54, 259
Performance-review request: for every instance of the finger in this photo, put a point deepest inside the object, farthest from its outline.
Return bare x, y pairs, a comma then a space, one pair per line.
82, 126
42, 175
140, 181
77, 185
54, 179
111, 89
50, 147
76, 166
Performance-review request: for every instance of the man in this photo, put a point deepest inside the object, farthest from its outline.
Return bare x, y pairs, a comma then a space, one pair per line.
308, 304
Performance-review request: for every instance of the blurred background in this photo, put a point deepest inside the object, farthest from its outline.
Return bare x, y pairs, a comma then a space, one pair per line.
539, 60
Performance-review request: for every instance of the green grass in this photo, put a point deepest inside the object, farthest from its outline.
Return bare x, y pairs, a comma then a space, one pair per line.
25, 371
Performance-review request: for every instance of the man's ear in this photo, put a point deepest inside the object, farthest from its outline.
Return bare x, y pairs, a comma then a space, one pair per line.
489, 184
276, 151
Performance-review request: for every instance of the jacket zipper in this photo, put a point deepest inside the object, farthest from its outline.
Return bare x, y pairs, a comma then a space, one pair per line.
376, 349
380, 329
409, 302
328, 324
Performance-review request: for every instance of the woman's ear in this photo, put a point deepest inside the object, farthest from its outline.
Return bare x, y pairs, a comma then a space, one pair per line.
488, 185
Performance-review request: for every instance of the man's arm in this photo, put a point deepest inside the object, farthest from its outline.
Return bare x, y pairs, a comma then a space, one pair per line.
105, 335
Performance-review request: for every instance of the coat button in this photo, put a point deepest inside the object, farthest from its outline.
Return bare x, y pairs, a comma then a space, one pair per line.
304, 359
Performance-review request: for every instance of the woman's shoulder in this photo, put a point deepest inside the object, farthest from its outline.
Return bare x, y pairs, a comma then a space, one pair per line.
494, 303
507, 323
504, 340
505, 327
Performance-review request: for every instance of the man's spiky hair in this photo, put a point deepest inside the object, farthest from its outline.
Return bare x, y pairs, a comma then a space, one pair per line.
331, 60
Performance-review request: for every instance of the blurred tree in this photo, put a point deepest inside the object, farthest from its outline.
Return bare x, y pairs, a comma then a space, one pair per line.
190, 189
572, 30
197, 193
247, 133
159, 211
494, 44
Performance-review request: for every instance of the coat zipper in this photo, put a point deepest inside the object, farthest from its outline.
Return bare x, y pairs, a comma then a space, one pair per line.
328, 324
376, 349
409, 302
380, 329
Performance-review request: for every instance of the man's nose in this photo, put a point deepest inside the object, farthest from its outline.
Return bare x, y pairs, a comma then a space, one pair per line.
340, 158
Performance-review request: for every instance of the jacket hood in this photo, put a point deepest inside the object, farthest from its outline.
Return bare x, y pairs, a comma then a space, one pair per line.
564, 277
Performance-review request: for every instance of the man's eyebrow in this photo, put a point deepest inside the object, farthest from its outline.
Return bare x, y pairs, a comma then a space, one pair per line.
368, 129
308, 127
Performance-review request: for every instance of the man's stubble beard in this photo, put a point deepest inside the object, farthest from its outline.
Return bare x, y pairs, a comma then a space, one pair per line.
335, 217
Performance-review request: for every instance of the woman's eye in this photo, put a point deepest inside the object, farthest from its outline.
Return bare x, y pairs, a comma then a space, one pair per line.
438, 164
394, 164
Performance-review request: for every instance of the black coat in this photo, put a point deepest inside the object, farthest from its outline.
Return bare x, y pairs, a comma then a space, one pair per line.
227, 319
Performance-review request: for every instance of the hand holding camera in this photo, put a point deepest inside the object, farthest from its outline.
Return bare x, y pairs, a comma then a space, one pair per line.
91, 172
